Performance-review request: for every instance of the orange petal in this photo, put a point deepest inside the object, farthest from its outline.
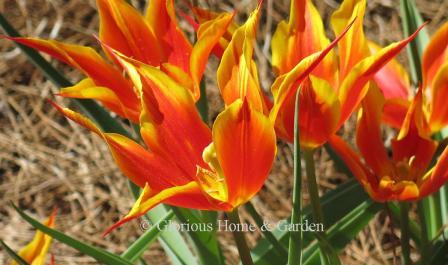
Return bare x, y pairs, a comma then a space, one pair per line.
354, 87
353, 161
139, 165
285, 86
394, 112
124, 29
186, 196
353, 48
436, 177
169, 118
368, 134
161, 18
392, 79
209, 34
439, 93
35, 253
435, 54
319, 111
237, 134
237, 73
91, 64
302, 36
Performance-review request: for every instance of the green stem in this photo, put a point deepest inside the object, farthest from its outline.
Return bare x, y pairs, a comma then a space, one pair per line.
240, 239
281, 250
424, 232
405, 246
312, 186
295, 237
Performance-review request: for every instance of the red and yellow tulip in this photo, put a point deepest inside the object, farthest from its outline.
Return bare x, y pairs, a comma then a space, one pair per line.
35, 253
155, 40
335, 88
185, 163
405, 175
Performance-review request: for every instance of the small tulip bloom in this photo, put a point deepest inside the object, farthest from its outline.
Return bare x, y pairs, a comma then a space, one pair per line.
35, 253
409, 173
154, 39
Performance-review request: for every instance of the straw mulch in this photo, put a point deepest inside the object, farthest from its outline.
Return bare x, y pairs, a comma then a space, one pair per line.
47, 162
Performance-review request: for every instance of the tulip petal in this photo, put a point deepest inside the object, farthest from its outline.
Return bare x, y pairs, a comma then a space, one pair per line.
209, 34
187, 196
124, 29
439, 93
237, 73
436, 177
170, 124
368, 134
394, 112
237, 135
354, 87
93, 65
435, 54
302, 36
319, 111
139, 165
353, 48
392, 79
36, 251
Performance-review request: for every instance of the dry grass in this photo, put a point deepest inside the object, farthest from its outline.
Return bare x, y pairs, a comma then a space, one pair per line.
46, 161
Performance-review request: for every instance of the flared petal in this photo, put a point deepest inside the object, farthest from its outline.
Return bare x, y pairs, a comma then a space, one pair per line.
392, 79
92, 65
285, 86
35, 253
352, 159
138, 164
170, 124
319, 111
245, 145
302, 36
355, 85
237, 73
123, 28
368, 134
438, 106
187, 196
161, 18
436, 177
435, 55
209, 34
353, 48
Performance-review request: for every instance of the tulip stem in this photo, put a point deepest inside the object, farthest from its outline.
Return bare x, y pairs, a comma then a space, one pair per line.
295, 237
240, 238
405, 246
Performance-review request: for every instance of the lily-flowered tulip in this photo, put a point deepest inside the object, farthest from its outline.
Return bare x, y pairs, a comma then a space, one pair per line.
185, 163
405, 175
35, 253
336, 87
155, 40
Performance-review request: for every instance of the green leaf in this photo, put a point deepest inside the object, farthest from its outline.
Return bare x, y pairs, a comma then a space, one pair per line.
345, 230
137, 248
13, 255
94, 252
335, 205
202, 104
440, 253
204, 240
411, 20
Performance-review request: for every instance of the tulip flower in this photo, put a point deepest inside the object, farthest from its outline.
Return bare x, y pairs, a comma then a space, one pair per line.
155, 40
408, 173
331, 93
185, 163
36, 251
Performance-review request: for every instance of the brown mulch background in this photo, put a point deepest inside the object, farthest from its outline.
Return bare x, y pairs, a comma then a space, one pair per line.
46, 161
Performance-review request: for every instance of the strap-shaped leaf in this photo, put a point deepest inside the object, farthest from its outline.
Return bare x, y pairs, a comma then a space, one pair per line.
13, 254
94, 252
